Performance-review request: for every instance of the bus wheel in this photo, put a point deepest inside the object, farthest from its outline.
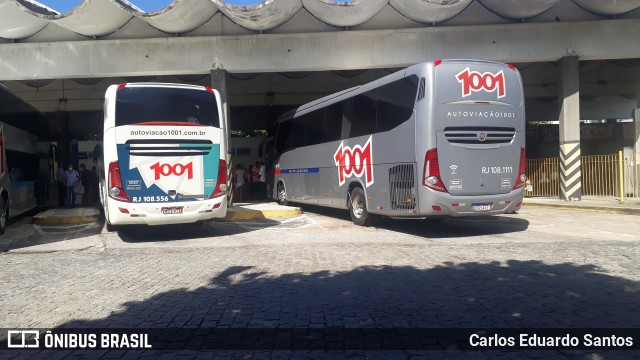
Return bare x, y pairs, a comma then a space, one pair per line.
358, 208
434, 220
111, 228
282, 194
4, 215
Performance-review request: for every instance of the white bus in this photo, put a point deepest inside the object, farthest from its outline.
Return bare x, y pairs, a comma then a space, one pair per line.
163, 154
434, 140
18, 172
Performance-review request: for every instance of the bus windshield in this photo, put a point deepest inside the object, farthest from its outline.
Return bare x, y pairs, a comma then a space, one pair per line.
135, 105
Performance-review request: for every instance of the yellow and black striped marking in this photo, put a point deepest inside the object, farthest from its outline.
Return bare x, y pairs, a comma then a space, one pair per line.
570, 171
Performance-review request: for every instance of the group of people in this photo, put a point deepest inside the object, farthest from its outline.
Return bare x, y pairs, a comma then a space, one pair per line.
72, 183
251, 184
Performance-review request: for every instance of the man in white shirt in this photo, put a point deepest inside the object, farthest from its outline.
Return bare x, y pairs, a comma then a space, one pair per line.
71, 176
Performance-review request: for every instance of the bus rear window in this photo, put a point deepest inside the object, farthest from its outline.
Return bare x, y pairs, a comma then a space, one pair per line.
161, 104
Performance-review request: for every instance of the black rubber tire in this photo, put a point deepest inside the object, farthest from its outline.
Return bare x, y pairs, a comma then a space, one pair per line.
358, 208
4, 215
111, 228
434, 220
281, 194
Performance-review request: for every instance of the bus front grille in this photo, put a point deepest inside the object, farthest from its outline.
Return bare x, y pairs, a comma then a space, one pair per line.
402, 187
169, 147
479, 135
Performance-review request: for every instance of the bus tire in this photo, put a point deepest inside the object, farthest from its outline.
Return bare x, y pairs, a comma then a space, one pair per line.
4, 214
111, 228
358, 208
281, 194
434, 220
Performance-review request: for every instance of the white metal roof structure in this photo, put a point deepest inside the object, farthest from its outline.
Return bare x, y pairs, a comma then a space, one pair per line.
22, 19
101, 41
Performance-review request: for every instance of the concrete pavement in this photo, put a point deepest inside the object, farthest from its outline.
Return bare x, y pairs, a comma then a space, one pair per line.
240, 211
270, 210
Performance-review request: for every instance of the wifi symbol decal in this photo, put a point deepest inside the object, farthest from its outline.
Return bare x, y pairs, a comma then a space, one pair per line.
453, 168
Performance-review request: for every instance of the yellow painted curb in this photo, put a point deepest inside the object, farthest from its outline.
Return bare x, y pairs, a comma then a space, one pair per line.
259, 214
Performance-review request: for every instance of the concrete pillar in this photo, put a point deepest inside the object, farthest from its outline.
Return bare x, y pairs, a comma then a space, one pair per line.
636, 149
570, 167
219, 82
636, 143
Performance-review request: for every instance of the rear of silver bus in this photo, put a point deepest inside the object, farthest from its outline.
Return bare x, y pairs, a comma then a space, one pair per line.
474, 149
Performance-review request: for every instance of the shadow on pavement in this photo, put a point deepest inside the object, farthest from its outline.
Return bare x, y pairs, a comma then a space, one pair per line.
446, 228
208, 229
516, 294
23, 234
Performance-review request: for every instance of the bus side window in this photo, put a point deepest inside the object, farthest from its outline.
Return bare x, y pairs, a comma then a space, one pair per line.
335, 127
314, 122
363, 114
396, 103
296, 134
282, 136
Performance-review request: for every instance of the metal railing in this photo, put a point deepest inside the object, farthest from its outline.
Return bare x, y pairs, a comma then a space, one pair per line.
543, 177
603, 176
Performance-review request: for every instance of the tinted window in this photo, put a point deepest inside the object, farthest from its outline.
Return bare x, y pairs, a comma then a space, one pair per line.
333, 121
395, 103
314, 122
283, 136
363, 114
295, 137
145, 104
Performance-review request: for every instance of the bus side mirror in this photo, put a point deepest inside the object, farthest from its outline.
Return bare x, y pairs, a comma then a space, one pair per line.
97, 152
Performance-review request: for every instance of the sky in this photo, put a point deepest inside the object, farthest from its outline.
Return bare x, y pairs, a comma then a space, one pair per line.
64, 6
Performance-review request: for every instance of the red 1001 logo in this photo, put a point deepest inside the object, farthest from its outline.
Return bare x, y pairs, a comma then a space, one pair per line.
354, 161
473, 81
175, 169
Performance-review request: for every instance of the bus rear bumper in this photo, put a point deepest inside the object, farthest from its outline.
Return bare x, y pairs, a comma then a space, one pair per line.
122, 213
448, 205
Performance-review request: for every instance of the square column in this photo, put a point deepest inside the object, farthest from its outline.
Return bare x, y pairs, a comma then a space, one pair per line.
636, 147
570, 166
219, 82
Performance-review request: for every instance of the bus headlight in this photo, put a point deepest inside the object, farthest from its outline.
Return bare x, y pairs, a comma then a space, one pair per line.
114, 191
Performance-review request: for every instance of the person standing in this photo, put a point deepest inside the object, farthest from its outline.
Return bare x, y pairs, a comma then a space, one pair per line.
85, 177
255, 181
240, 178
263, 181
41, 186
60, 181
71, 176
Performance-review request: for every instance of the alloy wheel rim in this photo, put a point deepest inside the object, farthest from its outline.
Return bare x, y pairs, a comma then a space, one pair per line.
356, 204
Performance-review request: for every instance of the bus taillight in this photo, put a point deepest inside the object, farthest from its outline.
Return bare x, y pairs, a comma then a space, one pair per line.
221, 184
115, 183
521, 170
431, 173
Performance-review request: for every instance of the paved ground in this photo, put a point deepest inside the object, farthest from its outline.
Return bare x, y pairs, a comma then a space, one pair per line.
540, 268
